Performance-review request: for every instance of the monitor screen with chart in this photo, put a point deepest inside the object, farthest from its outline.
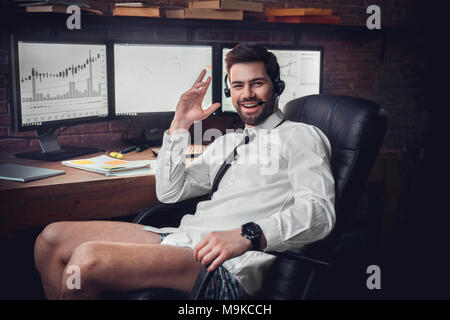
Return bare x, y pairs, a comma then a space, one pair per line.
57, 84
300, 69
150, 78
60, 82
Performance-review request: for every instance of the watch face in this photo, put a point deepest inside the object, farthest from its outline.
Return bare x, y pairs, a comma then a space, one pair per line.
251, 230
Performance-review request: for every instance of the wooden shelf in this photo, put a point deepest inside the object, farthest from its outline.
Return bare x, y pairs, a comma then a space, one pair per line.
17, 20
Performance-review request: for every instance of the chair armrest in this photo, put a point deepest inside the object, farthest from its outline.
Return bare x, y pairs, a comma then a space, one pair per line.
167, 214
302, 258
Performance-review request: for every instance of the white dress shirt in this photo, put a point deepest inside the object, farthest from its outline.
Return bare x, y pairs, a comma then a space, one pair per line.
281, 180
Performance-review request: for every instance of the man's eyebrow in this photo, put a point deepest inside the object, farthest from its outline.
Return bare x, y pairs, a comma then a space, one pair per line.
252, 80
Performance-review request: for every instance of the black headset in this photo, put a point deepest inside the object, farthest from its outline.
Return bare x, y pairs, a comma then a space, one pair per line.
278, 87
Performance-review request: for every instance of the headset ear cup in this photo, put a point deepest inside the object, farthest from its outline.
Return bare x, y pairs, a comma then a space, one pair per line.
226, 90
280, 85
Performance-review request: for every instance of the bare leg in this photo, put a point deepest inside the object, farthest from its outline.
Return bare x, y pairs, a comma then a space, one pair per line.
115, 266
55, 245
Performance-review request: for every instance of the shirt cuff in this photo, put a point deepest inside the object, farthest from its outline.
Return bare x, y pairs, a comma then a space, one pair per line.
174, 141
271, 232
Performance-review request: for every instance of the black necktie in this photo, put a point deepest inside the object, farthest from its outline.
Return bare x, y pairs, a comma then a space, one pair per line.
225, 166
227, 163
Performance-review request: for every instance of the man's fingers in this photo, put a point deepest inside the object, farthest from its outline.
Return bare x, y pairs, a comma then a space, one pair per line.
208, 111
200, 77
202, 249
217, 262
199, 247
209, 257
203, 252
201, 85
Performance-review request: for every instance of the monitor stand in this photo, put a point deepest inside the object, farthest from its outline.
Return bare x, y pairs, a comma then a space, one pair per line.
52, 151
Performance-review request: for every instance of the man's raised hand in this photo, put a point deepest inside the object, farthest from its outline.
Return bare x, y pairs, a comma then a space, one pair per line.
189, 108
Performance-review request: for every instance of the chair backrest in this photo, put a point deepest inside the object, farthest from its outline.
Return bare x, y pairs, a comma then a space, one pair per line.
355, 128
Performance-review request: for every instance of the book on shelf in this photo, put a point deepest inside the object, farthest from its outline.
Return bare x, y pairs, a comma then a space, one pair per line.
298, 12
129, 4
200, 13
66, 3
305, 19
92, 11
152, 12
227, 5
58, 8
107, 165
173, 13
254, 16
46, 8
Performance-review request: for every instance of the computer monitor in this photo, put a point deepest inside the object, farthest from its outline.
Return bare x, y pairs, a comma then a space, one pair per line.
300, 69
57, 84
149, 79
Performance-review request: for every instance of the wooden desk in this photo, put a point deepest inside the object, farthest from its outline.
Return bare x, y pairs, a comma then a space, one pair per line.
83, 195
76, 195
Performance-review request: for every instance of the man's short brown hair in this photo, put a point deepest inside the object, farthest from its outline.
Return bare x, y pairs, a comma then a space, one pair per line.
247, 52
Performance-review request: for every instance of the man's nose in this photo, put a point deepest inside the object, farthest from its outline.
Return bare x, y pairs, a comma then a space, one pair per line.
248, 92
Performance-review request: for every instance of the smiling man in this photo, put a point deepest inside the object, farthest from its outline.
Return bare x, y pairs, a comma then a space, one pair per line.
248, 214
252, 88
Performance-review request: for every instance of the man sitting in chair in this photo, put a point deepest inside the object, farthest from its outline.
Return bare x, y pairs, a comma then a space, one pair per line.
254, 210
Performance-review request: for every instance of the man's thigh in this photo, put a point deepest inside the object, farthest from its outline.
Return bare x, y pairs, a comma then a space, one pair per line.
131, 266
66, 236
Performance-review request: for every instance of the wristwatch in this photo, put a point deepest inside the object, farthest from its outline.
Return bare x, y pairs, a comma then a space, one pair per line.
252, 231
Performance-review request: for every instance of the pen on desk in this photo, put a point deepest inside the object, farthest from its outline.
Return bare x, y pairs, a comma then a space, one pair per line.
126, 150
141, 148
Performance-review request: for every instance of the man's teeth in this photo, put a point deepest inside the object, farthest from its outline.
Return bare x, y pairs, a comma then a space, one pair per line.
250, 105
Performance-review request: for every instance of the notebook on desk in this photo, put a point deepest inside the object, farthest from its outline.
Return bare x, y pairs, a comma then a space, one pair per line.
21, 173
193, 151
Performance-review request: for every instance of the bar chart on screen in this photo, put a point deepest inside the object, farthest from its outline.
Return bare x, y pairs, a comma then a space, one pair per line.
62, 81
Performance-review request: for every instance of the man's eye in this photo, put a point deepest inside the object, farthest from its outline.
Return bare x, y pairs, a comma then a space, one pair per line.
258, 83
236, 86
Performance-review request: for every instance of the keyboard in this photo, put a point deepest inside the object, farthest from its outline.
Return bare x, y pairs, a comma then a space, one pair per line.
192, 151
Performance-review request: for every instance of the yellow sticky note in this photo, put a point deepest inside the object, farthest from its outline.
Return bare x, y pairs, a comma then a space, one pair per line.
116, 162
82, 162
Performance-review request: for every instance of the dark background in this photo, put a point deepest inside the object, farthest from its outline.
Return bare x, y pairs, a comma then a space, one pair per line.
401, 66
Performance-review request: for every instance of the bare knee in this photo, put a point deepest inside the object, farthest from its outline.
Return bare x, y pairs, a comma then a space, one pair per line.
83, 273
47, 243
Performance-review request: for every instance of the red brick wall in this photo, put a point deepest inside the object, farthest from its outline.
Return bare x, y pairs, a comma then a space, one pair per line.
388, 70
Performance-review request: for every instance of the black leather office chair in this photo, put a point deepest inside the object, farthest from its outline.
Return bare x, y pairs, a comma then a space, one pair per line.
355, 128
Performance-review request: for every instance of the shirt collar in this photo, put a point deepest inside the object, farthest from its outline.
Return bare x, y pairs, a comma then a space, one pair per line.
269, 123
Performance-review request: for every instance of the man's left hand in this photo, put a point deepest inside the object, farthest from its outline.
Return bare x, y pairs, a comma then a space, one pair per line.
220, 246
